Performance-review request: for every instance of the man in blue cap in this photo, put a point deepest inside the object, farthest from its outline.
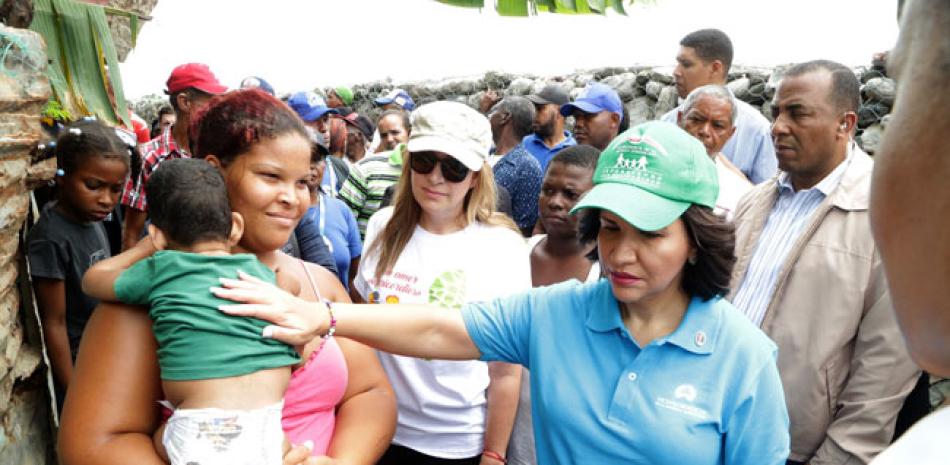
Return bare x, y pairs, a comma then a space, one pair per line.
313, 110
597, 114
396, 99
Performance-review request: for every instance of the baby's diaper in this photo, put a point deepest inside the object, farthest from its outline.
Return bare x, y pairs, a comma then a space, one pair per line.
214, 436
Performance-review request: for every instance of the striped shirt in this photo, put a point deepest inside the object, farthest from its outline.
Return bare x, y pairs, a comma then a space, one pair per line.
369, 178
792, 211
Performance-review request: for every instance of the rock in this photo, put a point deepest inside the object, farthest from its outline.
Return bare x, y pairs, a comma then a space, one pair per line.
740, 88
777, 74
496, 80
613, 81
640, 110
667, 101
520, 86
757, 93
881, 90
581, 80
663, 78
871, 113
643, 77
601, 73
628, 89
885, 121
653, 89
870, 139
767, 110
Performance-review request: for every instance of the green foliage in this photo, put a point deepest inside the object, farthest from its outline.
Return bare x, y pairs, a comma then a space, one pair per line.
84, 69
530, 7
54, 111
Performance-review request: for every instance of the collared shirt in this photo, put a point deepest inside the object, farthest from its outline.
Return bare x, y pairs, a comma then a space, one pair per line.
750, 148
519, 173
708, 393
541, 152
154, 153
366, 185
792, 211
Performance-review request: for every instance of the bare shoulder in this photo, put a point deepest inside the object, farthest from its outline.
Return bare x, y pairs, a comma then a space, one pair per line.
329, 286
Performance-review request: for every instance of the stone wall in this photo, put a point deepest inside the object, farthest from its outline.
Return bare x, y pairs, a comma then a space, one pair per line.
120, 26
25, 435
647, 92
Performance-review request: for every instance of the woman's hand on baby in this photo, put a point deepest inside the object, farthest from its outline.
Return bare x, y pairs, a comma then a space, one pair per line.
295, 321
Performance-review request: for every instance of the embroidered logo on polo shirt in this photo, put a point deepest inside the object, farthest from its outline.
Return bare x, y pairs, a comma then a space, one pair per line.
686, 392
684, 395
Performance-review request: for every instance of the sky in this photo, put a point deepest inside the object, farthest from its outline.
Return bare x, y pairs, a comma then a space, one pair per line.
306, 44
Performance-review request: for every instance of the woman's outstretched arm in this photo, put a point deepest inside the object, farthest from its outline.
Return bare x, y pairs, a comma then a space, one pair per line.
413, 330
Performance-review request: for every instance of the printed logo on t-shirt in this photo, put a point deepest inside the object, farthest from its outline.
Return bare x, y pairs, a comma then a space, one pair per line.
98, 256
683, 397
392, 299
448, 289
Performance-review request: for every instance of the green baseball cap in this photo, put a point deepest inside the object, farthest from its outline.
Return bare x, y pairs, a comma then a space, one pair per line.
345, 94
651, 174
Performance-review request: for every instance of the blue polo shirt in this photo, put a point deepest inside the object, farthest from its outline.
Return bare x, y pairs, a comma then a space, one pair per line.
707, 394
541, 152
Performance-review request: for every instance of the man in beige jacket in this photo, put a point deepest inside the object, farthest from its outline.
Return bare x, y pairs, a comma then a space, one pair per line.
809, 274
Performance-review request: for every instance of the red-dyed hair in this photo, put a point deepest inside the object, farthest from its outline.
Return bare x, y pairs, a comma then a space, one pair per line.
337, 135
230, 124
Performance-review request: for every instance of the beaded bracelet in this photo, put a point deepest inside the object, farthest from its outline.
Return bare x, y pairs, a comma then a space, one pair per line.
494, 456
332, 330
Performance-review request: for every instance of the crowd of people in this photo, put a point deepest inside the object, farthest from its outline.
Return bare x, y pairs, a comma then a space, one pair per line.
529, 282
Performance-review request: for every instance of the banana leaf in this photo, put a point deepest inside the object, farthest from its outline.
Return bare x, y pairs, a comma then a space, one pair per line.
530, 7
84, 69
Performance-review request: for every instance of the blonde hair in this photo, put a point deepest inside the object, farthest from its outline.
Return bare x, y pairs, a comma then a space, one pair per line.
479, 207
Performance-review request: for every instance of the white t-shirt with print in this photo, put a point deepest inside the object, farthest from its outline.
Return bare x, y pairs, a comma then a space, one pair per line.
442, 403
732, 186
924, 444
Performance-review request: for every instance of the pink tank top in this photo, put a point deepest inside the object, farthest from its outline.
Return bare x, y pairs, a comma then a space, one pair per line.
313, 393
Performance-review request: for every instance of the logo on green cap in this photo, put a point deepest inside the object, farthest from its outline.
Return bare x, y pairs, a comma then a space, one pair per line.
633, 162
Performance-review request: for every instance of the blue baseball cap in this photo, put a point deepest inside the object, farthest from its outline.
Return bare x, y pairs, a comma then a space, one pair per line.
309, 106
596, 98
399, 97
259, 82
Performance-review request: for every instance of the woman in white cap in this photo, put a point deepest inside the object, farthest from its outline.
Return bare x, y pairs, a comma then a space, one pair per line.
650, 365
441, 243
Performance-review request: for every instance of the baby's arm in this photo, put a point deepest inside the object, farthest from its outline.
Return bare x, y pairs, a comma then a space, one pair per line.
99, 280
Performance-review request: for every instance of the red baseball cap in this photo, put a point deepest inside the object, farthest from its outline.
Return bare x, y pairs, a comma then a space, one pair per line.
194, 75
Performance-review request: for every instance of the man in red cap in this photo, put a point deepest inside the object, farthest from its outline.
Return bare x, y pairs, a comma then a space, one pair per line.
189, 87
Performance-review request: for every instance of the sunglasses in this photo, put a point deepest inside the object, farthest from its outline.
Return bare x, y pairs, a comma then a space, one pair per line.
452, 169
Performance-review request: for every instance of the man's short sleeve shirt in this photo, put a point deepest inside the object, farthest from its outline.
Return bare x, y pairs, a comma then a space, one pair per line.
154, 153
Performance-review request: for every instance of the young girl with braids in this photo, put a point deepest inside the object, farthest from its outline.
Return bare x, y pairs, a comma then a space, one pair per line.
93, 162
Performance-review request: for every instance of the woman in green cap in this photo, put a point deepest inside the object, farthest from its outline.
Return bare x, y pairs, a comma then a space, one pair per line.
650, 365
340, 96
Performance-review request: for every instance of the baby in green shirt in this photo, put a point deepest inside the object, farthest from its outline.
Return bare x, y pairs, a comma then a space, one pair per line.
225, 381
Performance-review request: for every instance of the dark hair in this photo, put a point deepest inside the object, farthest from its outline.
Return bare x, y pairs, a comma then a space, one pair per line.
624, 121
584, 156
845, 88
87, 138
188, 201
191, 92
403, 115
522, 114
233, 122
710, 45
714, 239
